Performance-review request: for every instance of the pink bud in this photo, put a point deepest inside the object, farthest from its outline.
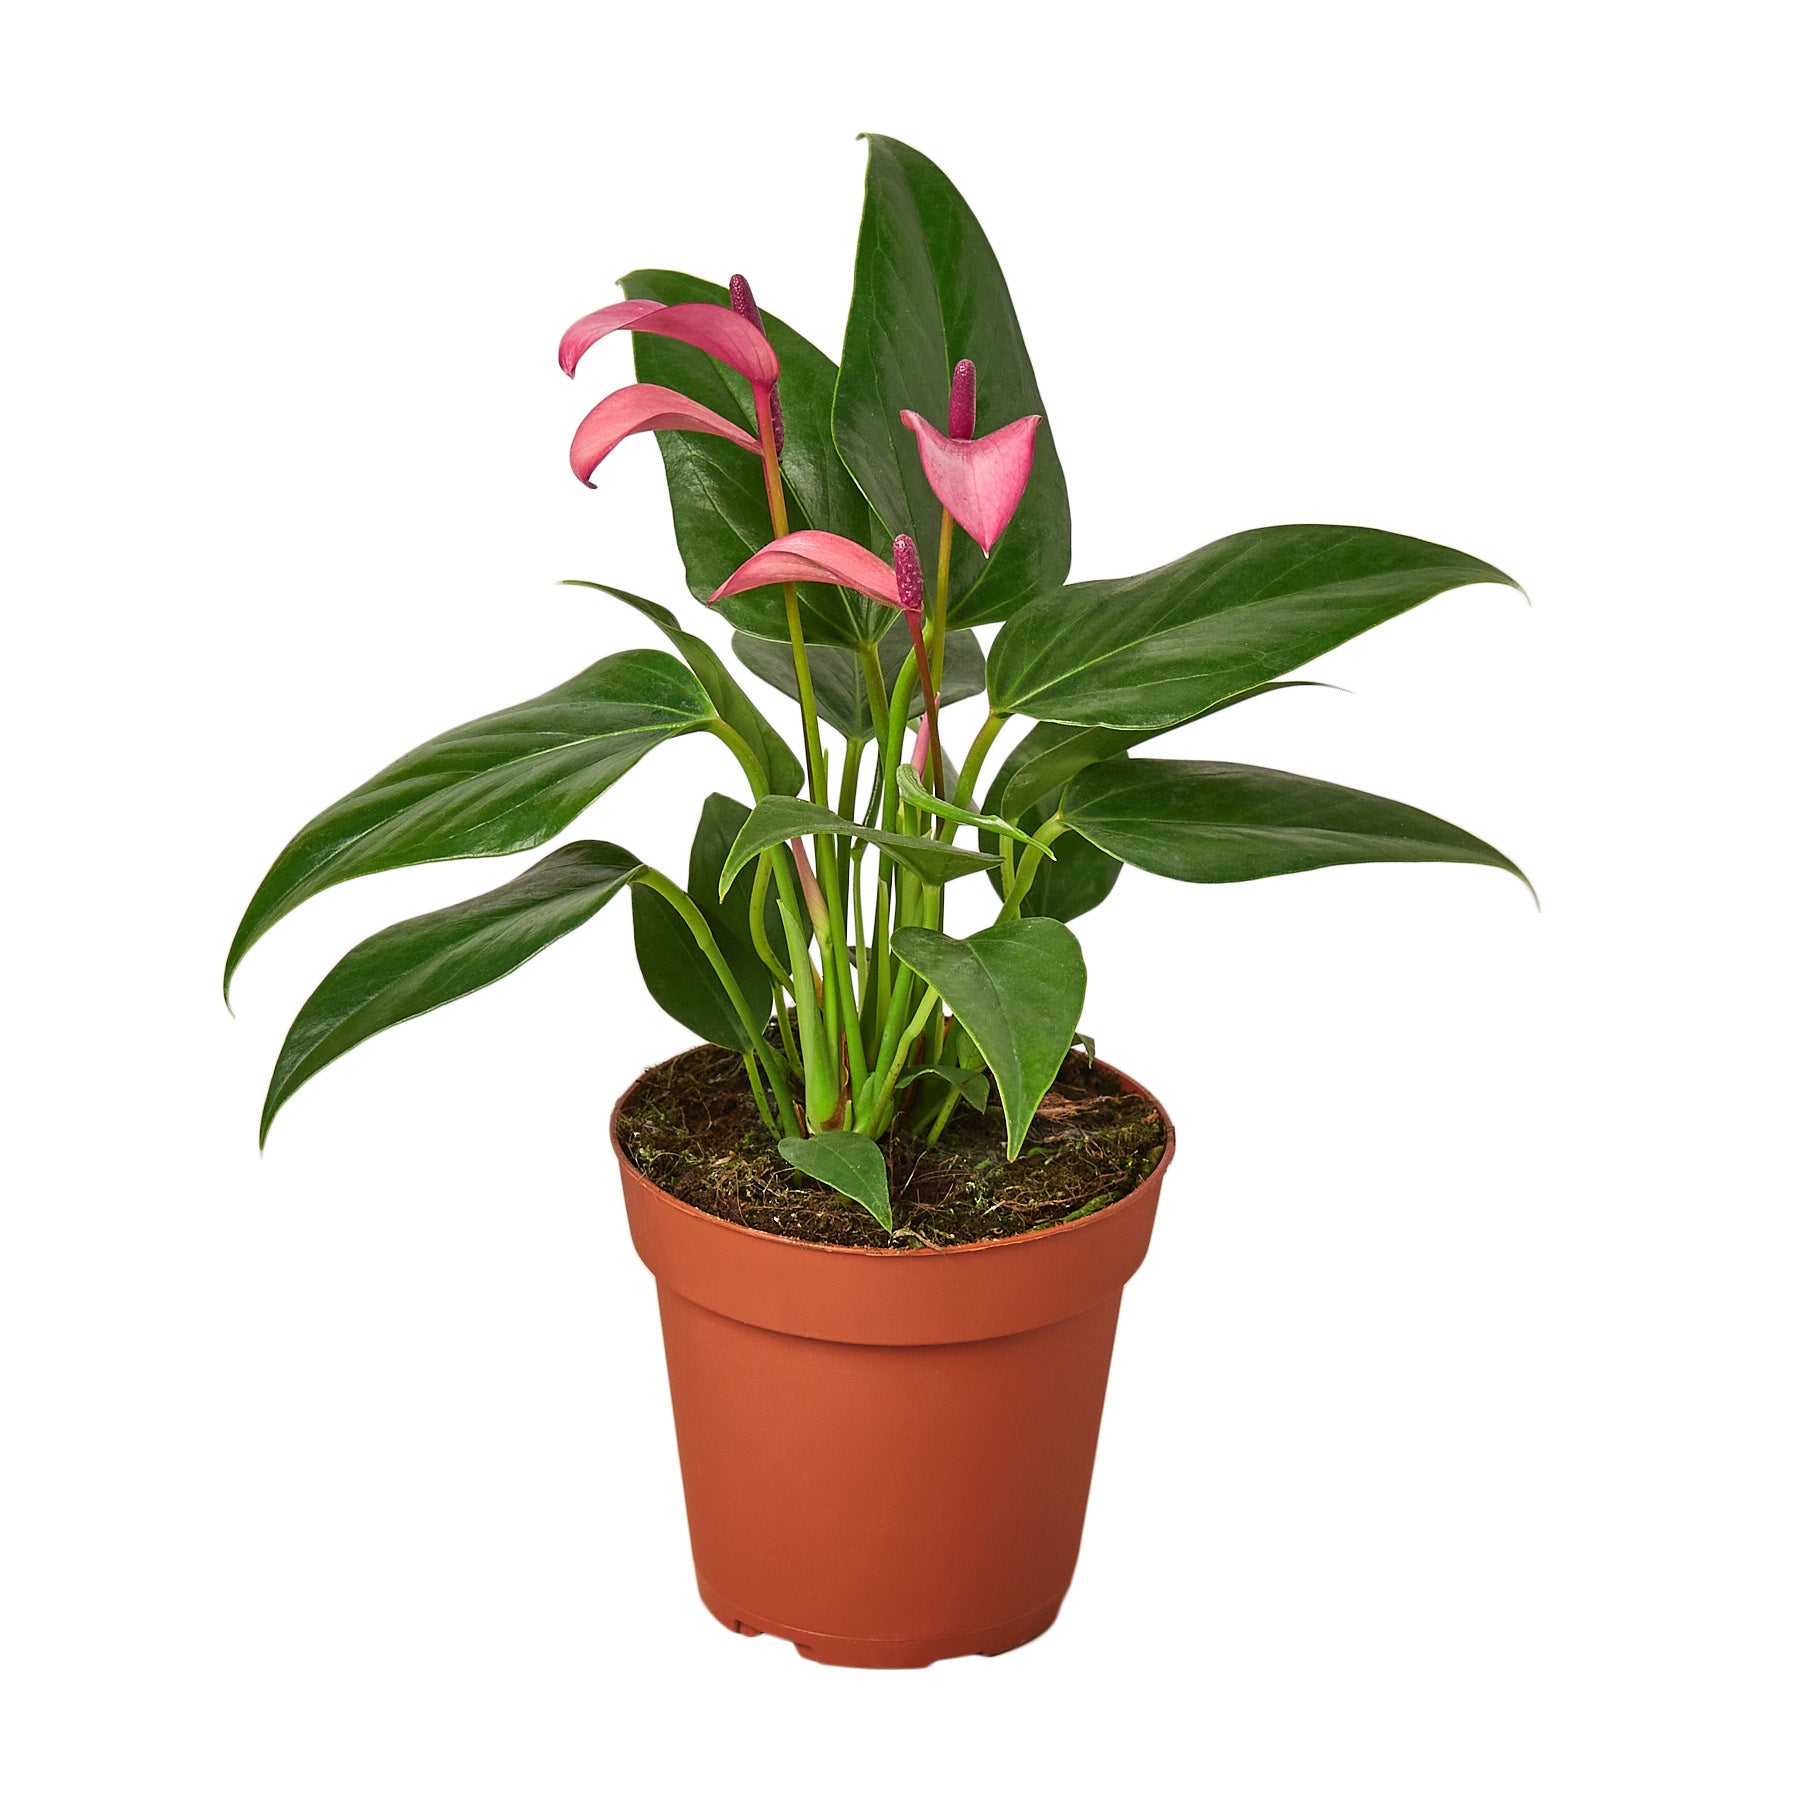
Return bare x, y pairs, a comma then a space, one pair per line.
809, 887
962, 400
909, 578
921, 750
743, 303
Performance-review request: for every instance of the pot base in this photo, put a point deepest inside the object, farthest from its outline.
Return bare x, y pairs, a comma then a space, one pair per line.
885, 1653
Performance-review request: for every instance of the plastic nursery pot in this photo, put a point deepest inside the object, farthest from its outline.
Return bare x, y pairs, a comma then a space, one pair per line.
886, 1453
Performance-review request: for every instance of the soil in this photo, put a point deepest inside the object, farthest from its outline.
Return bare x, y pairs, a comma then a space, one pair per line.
693, 1129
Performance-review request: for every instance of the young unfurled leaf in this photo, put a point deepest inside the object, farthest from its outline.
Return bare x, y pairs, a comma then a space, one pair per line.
780, 818
509, 781
915, 793
838, 690
1213, 821
929, 291
849, 1162
1016, 989
1154, 650
423, 963
972, 1085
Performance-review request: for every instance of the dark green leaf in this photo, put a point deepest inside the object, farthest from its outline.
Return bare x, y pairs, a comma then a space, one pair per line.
781, 769
1016, 989
849, 1162
505, 782
779, 818
1213, 821
674, 967
1154, 650
426, 962
838, 688
716, 490
929, 292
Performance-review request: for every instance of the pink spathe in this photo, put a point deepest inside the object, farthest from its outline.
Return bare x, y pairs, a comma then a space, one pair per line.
645, 407
715, 329
815, 556
981, 480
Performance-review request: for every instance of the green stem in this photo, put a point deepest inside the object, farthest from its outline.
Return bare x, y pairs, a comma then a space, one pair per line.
1020, 886
971, 770
890, 1071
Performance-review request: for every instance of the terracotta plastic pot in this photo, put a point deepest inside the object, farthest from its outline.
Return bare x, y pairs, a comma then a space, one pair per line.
886, 1453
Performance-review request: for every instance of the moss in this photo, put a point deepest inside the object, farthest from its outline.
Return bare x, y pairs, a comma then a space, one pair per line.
693, 1129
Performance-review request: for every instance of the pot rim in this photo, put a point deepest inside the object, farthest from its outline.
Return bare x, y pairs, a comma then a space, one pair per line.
1151, 1184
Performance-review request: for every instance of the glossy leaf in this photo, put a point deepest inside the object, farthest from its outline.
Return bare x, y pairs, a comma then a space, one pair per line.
928, 292
675, 969
1213, 821
716, 495
508, 781
915, 793
1016, 988
780, 818
1048, 755
849, 1162
838, 689
1154, 650
423, 963
780, 768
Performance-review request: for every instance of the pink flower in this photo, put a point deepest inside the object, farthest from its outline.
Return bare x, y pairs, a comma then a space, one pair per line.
715, 329
743, 303
815, 556
962, 400
644, 407
979, 480
921, 750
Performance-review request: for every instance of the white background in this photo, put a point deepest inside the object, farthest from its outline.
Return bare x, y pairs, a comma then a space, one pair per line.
1451, 1447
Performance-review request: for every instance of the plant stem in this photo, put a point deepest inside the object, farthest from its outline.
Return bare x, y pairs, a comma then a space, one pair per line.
1020, 885
891, 1071
984, 742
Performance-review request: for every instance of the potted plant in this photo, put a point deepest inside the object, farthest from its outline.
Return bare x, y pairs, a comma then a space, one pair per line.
892, 1202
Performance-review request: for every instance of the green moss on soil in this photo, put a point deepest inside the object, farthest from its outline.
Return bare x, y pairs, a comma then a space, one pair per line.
693, 1129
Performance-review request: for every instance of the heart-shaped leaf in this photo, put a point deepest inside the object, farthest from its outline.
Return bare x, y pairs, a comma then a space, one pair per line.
838, 689
423, 963
1155, 650
675, 970
1213, 821
716, 493
849, 1162
781, 769
505, 782
1016, 988
929, 292
779, 818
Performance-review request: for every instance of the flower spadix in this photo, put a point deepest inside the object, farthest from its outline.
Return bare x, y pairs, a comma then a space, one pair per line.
717, 330
645, 407
979, 480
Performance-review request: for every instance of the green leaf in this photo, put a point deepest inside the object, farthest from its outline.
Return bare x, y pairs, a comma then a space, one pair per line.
838, 688
675, 970
1155, 650
505, 782
779, 818
929, 292
423, 963
849, 1162
972, 1085
1214, 821
716, 494
781, 769
915, 793
1017, 989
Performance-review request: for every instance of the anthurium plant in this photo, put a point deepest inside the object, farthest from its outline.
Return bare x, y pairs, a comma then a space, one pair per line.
855, 524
